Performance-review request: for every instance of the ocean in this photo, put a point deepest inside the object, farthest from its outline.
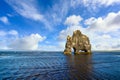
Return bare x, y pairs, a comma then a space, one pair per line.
37, 65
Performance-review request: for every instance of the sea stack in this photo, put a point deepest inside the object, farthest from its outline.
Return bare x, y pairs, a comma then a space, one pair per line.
79, 42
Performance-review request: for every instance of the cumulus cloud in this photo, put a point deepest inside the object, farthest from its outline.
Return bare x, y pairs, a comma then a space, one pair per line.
5, 37
106, 36
110, 23
3, 45
73, 23
73, 20
105, 43
28, 10
26, 43
10, 40
68, 31
103, 31
4, 19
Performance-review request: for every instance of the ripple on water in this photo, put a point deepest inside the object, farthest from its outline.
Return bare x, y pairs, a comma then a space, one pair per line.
56, 66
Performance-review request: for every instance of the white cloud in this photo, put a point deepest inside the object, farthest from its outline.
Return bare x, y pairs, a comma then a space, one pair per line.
103, 32
6, 38
3, 45
97, 3
28, 10
105, 43
94, 4
57, 12
13, 32
110, 23
59, 46
10, 40
108, 2
4, 19
106, 36
73, 23
2, 33
10, 32
49, 48
26, 43
73, 20
68, 31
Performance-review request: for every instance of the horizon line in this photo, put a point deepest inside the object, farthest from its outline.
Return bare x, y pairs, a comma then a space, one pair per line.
57, 51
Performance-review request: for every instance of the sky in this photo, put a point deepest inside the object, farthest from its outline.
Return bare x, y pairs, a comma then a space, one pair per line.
44, 24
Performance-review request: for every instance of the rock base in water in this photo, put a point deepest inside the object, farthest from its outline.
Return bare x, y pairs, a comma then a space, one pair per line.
79, 42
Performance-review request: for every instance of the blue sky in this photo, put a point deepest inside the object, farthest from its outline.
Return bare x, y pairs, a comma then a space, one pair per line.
44, 24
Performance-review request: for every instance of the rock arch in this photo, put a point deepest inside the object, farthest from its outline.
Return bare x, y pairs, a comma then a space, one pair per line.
79, 42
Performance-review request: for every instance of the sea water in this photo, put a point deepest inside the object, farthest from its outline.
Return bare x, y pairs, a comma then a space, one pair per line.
57, 66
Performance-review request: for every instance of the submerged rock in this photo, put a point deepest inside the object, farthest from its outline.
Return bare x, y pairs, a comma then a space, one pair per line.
79, 42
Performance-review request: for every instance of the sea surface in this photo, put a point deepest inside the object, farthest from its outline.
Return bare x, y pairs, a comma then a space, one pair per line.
57, 66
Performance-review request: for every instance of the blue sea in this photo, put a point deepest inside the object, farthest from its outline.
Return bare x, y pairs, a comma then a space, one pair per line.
57, 66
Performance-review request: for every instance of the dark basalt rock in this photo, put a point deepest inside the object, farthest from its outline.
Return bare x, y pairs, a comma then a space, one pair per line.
79, 42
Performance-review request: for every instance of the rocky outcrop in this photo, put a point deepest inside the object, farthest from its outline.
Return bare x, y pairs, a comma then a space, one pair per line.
79, 42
